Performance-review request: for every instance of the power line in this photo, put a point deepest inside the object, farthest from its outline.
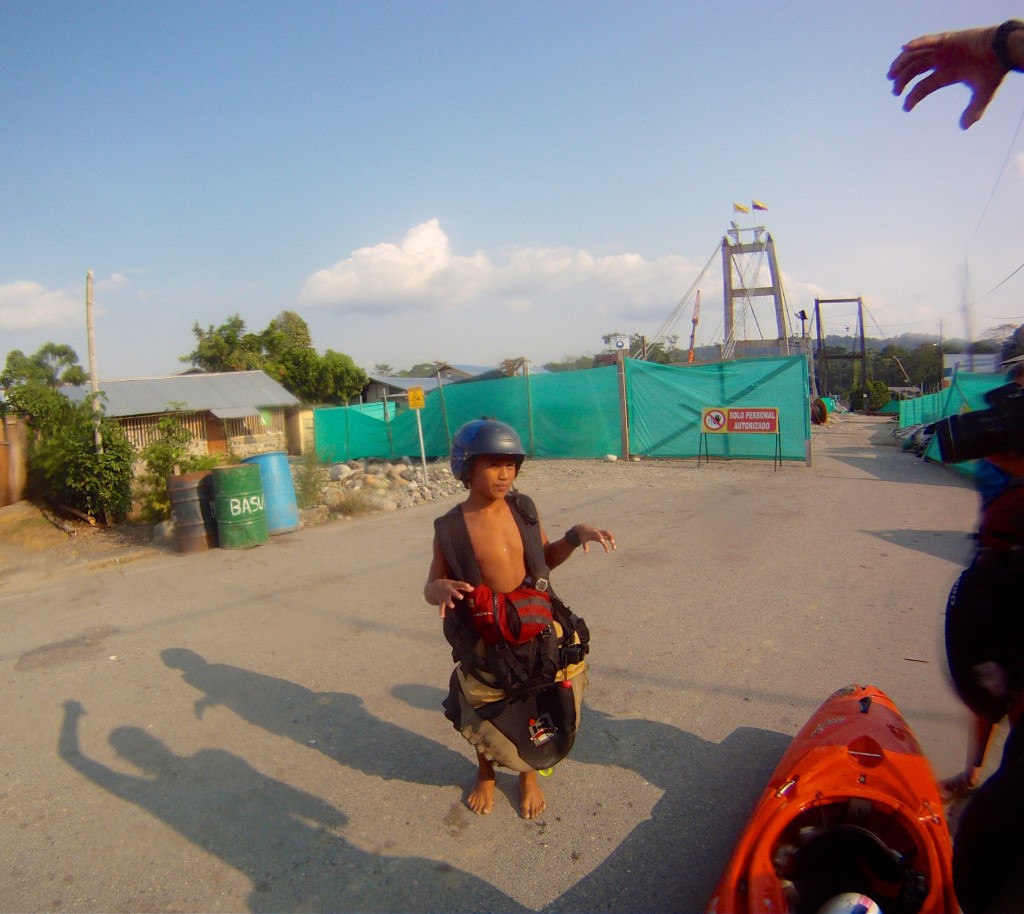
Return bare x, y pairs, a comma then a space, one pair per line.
997, 285
999, 178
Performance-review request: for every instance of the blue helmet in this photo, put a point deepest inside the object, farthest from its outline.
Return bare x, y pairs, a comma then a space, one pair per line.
483, 436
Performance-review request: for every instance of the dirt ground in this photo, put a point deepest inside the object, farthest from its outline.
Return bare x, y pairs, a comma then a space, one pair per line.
33, 542
260, 729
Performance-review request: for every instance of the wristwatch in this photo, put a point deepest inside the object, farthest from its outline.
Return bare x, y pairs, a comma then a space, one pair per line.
999, 44
572, 537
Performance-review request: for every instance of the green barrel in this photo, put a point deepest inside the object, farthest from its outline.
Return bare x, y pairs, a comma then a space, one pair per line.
239, 506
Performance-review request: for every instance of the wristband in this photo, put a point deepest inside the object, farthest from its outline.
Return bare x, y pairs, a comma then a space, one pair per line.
999, 44
573, 538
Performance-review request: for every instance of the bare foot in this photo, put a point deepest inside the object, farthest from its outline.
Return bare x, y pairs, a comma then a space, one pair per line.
958, 787
481, 795
531, 798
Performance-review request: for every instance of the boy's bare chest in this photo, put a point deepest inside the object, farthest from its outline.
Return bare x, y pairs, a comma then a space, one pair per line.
498, 548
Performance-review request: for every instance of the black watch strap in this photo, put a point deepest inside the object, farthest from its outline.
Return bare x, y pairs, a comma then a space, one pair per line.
999, 44
572, 537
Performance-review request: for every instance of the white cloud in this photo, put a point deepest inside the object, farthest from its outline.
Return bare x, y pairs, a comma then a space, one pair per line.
27, 305
420, 269
421, 273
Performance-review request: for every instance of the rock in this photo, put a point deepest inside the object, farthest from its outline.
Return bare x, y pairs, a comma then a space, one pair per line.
375, 485
610, 458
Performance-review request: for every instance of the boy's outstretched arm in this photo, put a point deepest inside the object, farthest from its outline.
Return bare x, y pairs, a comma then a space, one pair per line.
440, 590
557, 551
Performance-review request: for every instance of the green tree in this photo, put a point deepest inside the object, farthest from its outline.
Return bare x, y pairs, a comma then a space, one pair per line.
347, 380
924, 364
663, 352
284, 350
281, 343
307, 376
1013, 345
569, 363
64, 468
422, 370
225, 348
53, 365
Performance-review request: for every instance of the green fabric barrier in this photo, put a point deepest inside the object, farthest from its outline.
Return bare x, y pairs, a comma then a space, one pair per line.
561, 414
891, 408
966, 392
922, 410
665, 406
577, 413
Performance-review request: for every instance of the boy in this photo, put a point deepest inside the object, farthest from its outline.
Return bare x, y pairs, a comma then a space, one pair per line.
486, 457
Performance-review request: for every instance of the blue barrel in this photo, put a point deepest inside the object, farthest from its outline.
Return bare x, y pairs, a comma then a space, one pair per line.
278, 490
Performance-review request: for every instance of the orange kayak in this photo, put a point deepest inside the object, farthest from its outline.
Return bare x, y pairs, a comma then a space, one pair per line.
851, 809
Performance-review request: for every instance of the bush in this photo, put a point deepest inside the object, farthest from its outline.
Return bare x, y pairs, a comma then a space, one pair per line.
168, 452
351, 503
64, 469
311, 477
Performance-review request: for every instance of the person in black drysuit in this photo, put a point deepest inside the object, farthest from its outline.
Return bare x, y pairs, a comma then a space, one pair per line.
985, 619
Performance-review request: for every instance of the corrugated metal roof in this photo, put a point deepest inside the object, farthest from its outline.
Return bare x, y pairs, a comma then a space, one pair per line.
198, 392
405, 383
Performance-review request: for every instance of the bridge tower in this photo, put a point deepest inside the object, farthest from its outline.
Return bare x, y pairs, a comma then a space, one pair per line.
741, 265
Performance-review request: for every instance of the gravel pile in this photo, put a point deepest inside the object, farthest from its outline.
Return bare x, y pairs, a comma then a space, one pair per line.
362, 486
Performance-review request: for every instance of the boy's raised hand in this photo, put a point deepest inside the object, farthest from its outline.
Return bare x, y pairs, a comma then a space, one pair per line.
444, 592
589, 534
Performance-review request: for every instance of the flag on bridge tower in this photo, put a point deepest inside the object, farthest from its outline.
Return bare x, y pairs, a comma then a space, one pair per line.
740, 208
759, 206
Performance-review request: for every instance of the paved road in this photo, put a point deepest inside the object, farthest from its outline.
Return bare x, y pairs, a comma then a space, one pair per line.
260, 730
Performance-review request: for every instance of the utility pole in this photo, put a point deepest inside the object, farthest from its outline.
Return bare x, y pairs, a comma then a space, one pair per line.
93, 378
805, 343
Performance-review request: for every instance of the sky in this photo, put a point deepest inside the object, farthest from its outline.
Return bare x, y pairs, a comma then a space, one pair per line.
475, 181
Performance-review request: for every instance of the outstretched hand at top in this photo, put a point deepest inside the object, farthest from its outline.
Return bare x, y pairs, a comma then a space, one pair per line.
949, 58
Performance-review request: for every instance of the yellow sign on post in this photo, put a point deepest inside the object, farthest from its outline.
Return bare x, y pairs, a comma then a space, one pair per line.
416, 401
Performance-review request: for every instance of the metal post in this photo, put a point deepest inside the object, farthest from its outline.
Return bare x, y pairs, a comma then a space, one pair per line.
93, 379
623, 406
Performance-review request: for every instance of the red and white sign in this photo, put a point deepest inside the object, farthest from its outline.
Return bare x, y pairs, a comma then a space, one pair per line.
762, 420
713, 420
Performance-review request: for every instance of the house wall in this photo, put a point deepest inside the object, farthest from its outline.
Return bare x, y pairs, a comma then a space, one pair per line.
244, 446
238, 437
300, 432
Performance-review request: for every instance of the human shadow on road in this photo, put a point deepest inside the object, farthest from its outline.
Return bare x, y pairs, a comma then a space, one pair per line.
900, 468
334, 723
284, 840
953, 545
673, 860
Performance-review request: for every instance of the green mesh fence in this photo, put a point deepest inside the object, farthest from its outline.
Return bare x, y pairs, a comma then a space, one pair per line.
922, 410
666, 404
578, 413
966, 392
